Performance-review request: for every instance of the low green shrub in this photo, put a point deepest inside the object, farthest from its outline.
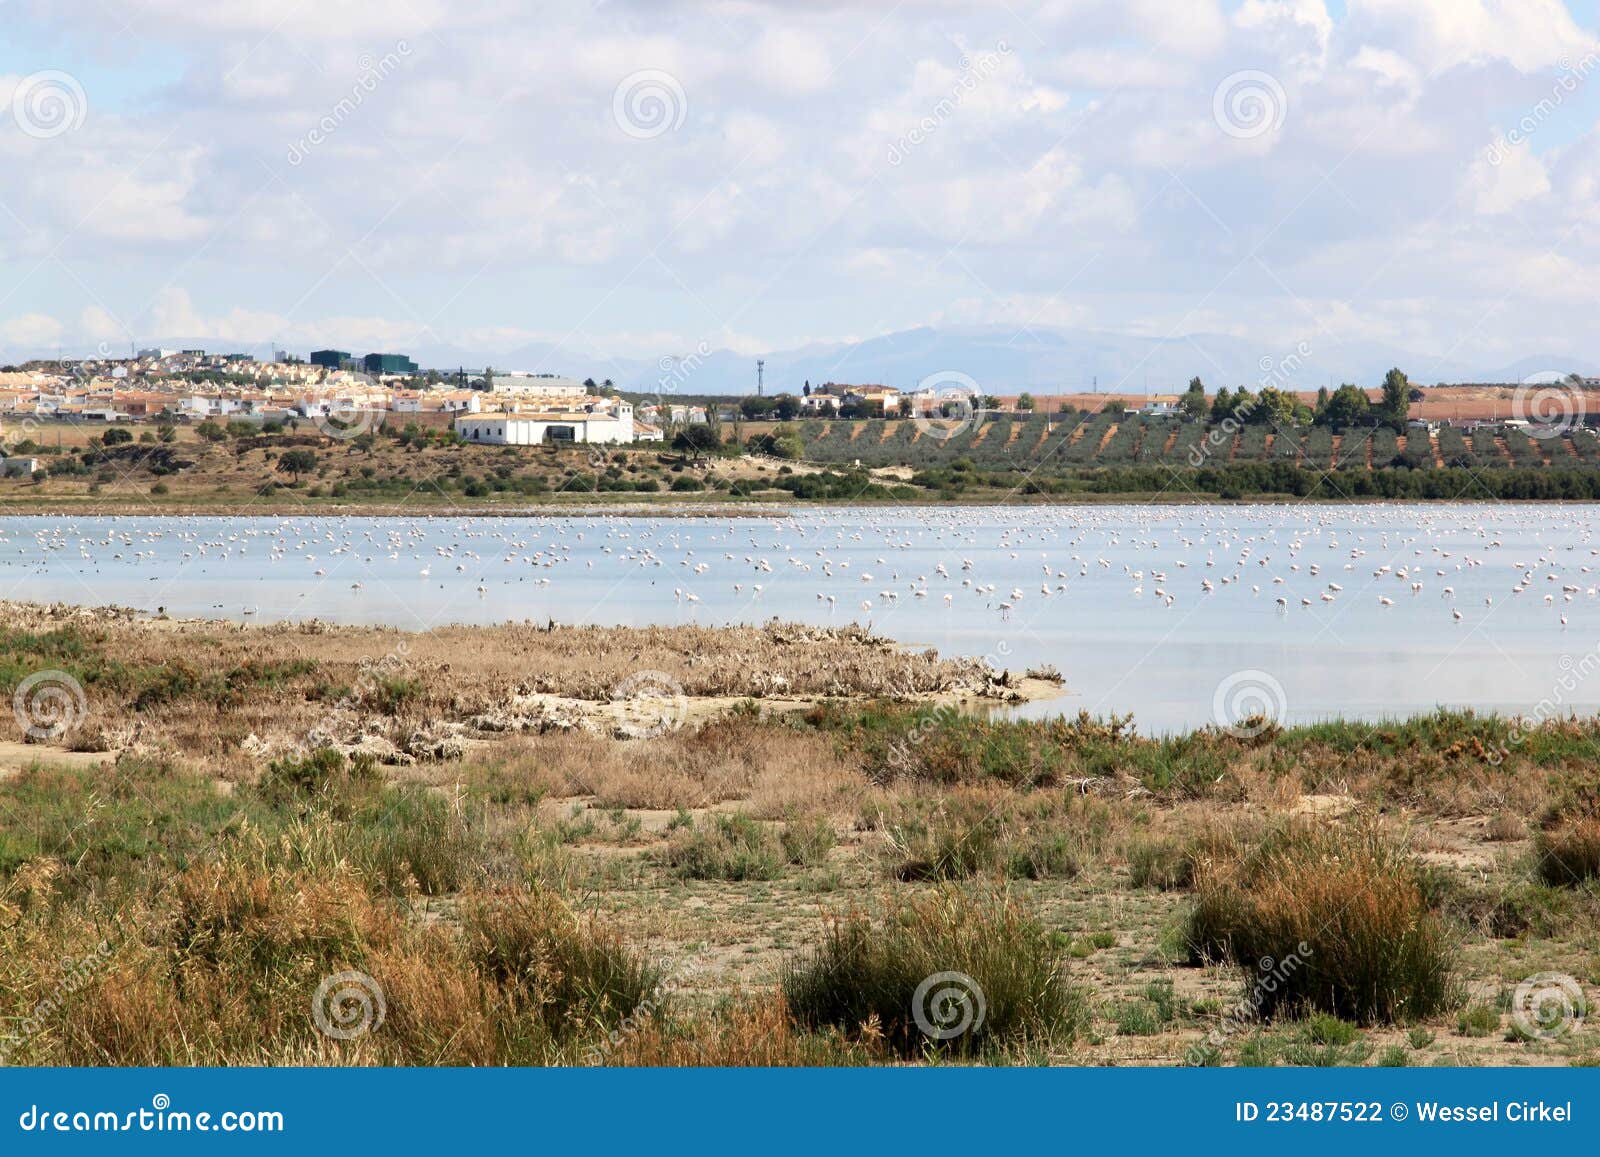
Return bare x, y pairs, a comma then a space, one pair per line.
947, 970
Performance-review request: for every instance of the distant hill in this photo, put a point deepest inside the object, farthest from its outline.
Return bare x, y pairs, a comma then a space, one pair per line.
1000, 359
1043, 361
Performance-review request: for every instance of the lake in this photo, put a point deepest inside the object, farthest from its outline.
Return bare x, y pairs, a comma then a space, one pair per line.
1171, 613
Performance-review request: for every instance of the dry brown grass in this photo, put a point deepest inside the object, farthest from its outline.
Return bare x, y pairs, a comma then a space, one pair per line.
228, 692
1341, 912
472, 888
1570, 855
223, 965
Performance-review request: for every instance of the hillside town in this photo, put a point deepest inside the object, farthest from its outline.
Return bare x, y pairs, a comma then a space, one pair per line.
488, 406
336, 391
180, 386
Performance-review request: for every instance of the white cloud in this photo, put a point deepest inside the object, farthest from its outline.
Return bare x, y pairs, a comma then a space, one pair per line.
1441, 34
838, 167
1504, 177
31, 331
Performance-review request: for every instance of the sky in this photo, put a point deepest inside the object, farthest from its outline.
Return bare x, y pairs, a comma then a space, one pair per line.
650, 177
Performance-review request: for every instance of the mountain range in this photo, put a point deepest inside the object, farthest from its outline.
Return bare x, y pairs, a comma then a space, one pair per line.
1000, 359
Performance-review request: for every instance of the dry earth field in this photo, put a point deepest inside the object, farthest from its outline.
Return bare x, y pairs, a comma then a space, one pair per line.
757, 855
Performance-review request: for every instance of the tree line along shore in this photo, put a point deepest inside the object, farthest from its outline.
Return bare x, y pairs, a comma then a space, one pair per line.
1228, 446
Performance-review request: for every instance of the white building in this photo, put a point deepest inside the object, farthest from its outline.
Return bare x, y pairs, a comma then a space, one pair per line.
524, 385
519, 428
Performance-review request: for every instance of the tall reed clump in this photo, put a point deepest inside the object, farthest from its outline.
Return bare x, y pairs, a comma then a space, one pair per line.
564, 973
410, 834
234, 963
948, 970
1336, 920
1569, 855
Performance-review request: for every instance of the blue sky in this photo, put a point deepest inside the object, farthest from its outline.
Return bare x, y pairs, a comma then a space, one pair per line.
639, 179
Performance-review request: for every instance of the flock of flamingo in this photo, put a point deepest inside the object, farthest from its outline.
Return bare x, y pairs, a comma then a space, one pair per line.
858, 562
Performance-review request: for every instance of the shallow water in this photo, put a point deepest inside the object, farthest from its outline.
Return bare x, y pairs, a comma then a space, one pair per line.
1208, 656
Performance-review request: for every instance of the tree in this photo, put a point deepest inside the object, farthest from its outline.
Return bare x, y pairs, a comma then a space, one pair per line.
1239, 407
786, 407
697, 438
211, 431
806, 389
754, 407
117, 436
1274, 406
297, 462
1194, 399
1347, 406
785, 445
1396, 401
1025, 401
488, 378
1222, 405
588, 384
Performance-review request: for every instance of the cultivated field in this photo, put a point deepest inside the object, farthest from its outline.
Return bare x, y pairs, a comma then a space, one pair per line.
517, 845
1086, 441
1092, 454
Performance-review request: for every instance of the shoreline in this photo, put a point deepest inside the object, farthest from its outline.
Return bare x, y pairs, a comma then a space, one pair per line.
689, 509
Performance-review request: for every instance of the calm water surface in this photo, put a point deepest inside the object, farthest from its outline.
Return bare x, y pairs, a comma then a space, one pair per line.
1114, 597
